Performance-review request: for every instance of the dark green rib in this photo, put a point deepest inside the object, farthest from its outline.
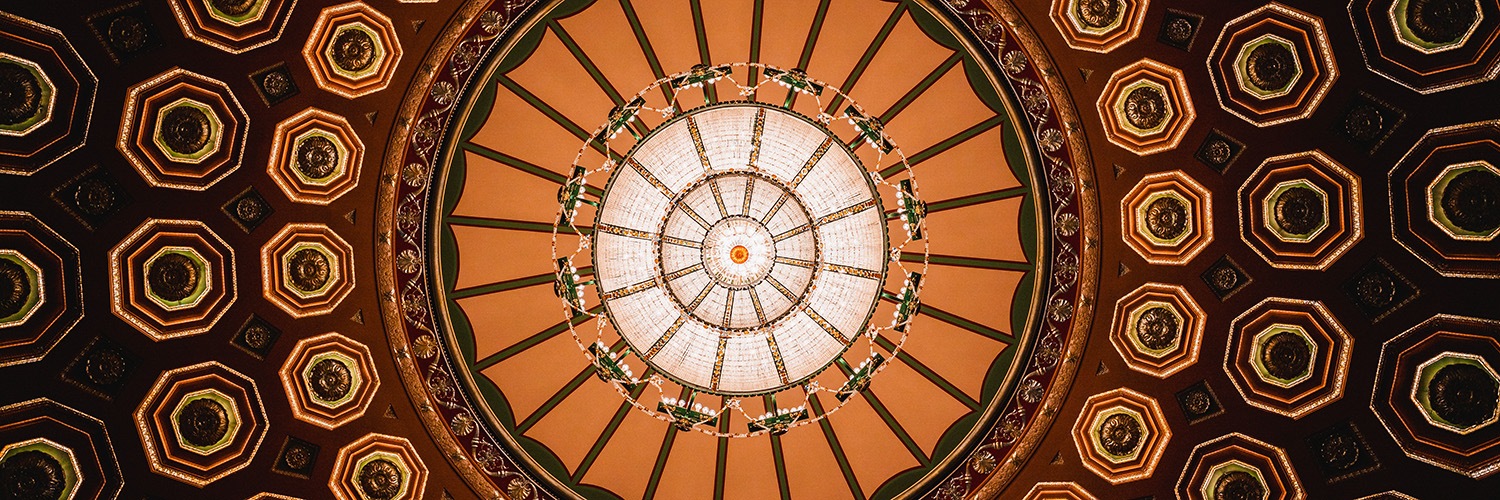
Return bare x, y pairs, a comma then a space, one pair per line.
609, 432
555, 400
518, 225
838, 451
890, 421
533, 340
661, 456
869, 55
781, 481
555, 115
755, 23
508, 285
930, 375
812, 40
586, 62
975, 262
780, 459
525, 166
922, 86
709, 92
949, 143
721, 462
977, 199
645, 43
955, 320
561, 394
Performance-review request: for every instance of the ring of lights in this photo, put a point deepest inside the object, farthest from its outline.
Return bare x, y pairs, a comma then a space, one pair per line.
739, 249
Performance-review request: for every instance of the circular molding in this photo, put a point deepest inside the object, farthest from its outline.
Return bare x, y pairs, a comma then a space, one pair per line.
1083, 28
1420, 186
1270, 218
1000, 32
1146, 108
1275, 325
237, 31
216, 117
352, 26
198, 309
1167, 218
1158, 306
1409, 365
1272, 65
234, 406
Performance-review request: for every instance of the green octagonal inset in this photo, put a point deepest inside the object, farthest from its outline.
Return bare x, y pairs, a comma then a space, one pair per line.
232, 423
24, 273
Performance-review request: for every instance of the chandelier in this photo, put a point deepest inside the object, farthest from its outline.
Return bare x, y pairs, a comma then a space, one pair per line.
739, 248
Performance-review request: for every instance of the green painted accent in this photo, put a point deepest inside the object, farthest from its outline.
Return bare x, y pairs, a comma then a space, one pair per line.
932, 27
453, 187
479, 113
661, 456
922, 86
515, 163
838, 451
777, 456
544, 457
525, 166
711, 94
890, 420
721, 461
586, 62
609, 431
952, 260
780, 458
508, 285
533, 340
645, 43
812, 34
1028, 228
807, 47
959, 321
757, 19
869, 55
556, 116
1021, 303
519, 225
977, 199
927, 373
556, 399
949, 143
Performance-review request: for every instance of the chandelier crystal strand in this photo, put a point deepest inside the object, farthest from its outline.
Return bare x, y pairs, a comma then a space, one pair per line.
790, 229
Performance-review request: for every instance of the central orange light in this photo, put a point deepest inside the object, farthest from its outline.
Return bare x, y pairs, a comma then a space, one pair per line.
739, 254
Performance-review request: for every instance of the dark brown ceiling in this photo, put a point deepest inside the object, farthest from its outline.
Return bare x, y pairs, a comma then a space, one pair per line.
1386, 463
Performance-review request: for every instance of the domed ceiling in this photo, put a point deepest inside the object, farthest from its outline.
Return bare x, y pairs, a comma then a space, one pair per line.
518, 249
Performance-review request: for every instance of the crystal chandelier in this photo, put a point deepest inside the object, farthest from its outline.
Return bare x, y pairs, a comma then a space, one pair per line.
739, 248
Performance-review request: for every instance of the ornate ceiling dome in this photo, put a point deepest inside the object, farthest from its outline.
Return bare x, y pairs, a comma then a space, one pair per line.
454, 249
